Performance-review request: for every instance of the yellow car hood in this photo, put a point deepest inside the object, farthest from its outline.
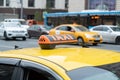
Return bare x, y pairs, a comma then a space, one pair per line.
87, 32
69, 58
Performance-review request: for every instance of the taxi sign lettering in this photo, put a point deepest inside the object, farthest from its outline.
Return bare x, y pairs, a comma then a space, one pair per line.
62, 37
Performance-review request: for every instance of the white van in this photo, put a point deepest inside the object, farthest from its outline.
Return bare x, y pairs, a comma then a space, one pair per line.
21, 21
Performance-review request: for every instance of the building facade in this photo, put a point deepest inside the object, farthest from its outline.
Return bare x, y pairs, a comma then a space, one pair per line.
28, 8
80, 5
88, 13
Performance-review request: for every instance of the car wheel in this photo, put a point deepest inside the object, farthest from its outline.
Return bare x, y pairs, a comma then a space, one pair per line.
14, 38
117, 41
80, 41
46, 46
95, 44
5, 35
24, 38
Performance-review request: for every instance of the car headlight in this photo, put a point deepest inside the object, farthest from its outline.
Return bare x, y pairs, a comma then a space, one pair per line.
88, 36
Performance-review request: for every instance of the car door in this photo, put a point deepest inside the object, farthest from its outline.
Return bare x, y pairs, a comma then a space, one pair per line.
99, 29
9, 68
31, 31
107, 34
34, 71
37, 31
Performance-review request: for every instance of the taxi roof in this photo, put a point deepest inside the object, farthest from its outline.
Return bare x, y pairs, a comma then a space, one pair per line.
67, 58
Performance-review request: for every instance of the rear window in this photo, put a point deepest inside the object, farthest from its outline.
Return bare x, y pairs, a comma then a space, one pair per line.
104, 72
116, 29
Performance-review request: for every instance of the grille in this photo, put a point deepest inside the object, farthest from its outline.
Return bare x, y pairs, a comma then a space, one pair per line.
18, 31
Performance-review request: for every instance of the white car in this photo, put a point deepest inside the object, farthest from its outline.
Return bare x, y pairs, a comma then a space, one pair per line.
12, 30
110, 33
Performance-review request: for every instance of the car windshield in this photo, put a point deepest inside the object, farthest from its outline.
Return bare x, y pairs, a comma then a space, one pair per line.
81, 28
23, 22
12, 25
40, 27
91, 73
117, 29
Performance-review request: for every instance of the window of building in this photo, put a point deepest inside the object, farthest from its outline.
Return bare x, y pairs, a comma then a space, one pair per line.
6, 72
31, 3
50, 4
1, 2
7, 2
102, 4
66, 3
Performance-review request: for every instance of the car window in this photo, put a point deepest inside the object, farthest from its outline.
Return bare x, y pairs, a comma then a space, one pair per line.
35, 71
6, 72
12, 25
69, 28
98, 29
32, 27
92, 73
105, 29
64, 28
81, 28
32, 74
8, 67
117, 29
36, 27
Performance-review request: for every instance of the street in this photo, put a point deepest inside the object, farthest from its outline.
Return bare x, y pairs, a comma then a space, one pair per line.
33, 42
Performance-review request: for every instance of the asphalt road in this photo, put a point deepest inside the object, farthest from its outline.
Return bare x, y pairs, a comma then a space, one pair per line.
31, 43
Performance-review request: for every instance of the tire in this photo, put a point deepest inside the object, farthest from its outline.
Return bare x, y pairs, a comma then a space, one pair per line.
5, 36
14, 38
117, 41
24, 38
80, 41
95, 44
47, 46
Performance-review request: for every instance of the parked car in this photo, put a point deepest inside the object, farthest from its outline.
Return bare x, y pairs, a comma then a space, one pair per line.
12, 30
37, 31
59, 64
110, 33
21, 21
83, 35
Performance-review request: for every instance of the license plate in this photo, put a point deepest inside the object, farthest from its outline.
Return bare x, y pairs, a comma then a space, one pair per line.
18, 34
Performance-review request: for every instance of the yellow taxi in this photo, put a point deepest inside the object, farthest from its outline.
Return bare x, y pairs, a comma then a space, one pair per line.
59, 64
83, 35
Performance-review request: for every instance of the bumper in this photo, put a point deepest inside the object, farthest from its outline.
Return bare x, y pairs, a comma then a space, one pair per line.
16, 35
91, 41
